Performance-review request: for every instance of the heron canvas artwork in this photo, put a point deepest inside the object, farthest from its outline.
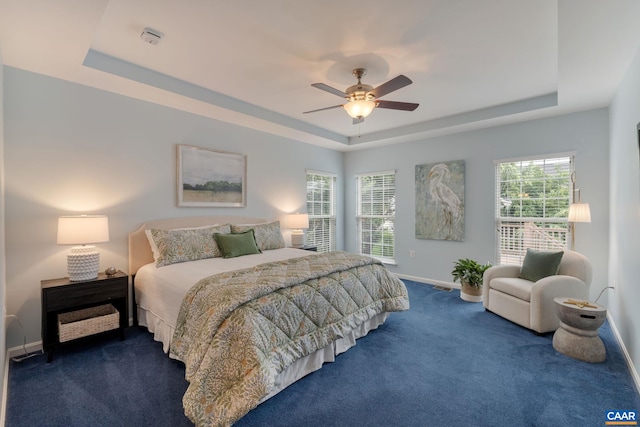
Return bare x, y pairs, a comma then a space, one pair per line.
440, 201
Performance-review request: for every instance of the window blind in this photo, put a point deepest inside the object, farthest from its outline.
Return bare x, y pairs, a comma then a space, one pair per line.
375, 214
321, 209
532, 205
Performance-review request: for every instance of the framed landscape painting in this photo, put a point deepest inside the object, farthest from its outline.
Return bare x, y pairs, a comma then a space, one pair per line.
209, 178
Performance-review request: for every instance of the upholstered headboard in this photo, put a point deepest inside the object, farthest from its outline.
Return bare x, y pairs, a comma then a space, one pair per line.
140, 251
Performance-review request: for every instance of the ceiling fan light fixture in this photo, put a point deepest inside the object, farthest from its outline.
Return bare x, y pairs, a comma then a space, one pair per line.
359, 109
362, 98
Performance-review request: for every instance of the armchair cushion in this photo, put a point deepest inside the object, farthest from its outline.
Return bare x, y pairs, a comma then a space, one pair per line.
538, 265
519, 288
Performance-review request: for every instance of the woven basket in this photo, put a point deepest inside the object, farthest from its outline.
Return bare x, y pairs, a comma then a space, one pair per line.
88, 321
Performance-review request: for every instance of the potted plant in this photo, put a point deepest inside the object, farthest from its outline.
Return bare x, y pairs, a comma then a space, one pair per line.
469, 273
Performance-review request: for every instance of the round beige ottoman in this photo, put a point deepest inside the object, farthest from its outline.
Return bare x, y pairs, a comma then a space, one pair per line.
577, 335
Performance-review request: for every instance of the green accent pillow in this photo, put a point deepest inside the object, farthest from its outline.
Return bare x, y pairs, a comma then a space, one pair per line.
237, 244
538, 265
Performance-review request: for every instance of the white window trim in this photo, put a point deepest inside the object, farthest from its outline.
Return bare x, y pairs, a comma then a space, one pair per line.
359, 216
535, 157
499, 219
333, 204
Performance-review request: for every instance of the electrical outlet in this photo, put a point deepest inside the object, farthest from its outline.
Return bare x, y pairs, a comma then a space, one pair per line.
412, 254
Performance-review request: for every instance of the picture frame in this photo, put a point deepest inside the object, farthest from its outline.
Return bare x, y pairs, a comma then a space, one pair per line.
210, 178
440, 201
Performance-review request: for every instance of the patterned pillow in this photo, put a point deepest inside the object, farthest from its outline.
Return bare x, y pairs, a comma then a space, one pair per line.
186, 244
268, 235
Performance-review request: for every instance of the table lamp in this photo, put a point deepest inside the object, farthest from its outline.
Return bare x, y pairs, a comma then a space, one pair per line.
297, 222
83, 262
578, 211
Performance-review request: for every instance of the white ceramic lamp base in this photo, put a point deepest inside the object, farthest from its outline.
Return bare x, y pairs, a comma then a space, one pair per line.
83, 263
297, 239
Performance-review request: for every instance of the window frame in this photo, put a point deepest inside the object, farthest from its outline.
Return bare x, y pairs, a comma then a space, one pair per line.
516, 233
367, 243
327, 242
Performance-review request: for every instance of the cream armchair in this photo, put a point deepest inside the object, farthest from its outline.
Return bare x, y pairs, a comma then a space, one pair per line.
530, 304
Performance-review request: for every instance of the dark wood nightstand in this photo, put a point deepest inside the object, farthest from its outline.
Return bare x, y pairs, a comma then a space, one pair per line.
64, 296
310, 248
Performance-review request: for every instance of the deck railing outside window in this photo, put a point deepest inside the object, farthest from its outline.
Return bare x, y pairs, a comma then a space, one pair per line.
517, 236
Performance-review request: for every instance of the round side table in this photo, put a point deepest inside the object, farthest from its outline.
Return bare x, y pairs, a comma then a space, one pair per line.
577, 335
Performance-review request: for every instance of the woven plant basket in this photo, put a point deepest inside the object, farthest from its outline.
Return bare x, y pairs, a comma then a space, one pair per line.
471, 293
88, 321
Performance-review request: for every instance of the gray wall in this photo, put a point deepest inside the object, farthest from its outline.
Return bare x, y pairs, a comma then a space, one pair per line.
3, 309
624, 238
75, 149
584, 133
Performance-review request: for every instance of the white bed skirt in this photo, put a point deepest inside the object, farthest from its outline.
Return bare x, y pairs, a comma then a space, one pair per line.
314, 361
160, 329
163, 332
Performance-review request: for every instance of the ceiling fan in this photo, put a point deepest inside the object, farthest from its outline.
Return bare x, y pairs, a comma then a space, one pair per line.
364, 98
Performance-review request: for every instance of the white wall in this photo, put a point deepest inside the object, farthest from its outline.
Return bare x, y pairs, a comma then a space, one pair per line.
70, 148
3, 346
585, 133
624, 242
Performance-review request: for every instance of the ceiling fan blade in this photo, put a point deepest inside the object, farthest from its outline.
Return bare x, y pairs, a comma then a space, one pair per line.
393, 84
322, 109
393, 105
356, 121
329, 89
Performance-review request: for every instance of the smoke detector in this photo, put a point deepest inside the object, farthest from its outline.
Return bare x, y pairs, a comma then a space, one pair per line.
151, 36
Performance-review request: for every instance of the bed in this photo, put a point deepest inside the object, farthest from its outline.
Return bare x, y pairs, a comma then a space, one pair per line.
246, 315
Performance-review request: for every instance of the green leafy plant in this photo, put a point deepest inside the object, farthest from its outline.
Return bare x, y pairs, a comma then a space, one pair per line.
469, 271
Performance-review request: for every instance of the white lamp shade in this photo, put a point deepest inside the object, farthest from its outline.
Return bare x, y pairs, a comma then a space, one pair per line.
298, 221
360, 108
83, 262
82, 229
579, 212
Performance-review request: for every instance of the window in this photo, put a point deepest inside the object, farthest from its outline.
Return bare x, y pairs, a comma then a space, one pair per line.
375, 215
532, 205
321, 207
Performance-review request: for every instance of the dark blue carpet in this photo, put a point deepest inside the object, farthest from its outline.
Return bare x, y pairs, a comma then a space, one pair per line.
445, 362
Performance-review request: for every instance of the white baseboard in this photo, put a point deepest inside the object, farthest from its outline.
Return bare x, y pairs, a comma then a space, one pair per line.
14, 352
20, 350
429, 281
627, 356
5, 388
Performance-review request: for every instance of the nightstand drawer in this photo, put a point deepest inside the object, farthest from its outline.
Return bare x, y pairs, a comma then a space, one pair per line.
85, 294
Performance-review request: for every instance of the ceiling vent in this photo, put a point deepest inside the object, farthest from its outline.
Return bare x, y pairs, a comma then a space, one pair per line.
151, 36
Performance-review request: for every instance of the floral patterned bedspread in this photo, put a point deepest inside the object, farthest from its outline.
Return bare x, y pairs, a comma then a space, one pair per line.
237, 331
